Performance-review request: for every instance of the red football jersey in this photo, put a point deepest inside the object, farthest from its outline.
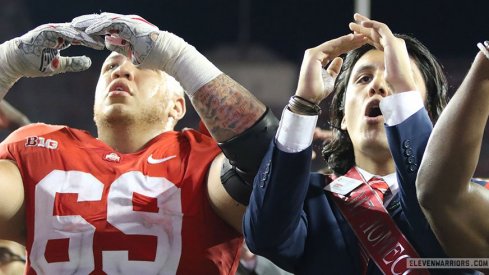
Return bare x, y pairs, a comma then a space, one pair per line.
92, 210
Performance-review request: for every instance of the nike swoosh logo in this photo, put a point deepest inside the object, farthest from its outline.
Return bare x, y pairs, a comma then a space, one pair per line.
151, 160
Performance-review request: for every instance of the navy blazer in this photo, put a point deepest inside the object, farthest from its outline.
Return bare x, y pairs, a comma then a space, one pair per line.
293, 221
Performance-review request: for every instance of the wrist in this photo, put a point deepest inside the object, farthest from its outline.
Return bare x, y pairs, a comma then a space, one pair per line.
302, 106
182, 61
9, 73
295, 132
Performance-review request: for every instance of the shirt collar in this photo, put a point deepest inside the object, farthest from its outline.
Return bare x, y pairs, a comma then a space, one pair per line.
390, 179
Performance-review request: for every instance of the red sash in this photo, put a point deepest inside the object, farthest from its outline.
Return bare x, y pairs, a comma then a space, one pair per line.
376, 231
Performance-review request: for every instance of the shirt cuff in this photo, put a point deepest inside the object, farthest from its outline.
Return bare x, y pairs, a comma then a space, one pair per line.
398, 107
295, 132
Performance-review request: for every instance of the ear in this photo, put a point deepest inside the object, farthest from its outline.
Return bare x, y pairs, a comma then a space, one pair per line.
178, 110
343, 124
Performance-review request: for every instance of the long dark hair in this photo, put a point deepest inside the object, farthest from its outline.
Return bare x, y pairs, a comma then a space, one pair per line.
338, 153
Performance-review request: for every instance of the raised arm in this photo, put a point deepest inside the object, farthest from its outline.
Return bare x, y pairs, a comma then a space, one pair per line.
408, 126
407, 92
226, 108
35, 54
275, 224
241, 124
455, 208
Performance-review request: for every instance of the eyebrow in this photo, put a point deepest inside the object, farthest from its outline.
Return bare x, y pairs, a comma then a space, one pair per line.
112, 58
366, 67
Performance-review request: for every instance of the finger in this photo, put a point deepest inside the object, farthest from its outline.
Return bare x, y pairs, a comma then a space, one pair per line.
359, 17
372, 35
114, 39
74, 36
363, 20
114, 31
112, 22
127, 28
117, 44
335, 47
84, 21
329, 74
92, 41
120, 30
73, 64
483, 49
380, 27
334, 67
50, 36
359, 24
99, 27
360, 29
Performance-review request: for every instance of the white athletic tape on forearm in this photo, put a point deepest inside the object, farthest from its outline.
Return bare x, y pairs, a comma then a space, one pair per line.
8, 62
182, 61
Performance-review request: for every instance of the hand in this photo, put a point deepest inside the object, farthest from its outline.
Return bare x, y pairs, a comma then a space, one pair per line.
37, 53
315, 82
398, 70
146, 45
130, 35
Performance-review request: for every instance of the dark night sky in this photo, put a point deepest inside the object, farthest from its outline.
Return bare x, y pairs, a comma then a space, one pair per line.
447, 27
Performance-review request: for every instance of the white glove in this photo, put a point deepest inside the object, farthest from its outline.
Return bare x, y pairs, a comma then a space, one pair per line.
146, 45
129, 35
36, 53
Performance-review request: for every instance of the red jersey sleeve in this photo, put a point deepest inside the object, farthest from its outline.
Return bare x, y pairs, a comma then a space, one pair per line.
18, 139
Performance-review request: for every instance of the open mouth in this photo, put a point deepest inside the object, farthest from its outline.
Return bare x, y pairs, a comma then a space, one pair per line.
373, 109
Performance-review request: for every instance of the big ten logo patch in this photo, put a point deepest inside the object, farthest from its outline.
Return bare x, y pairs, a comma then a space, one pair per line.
41, 142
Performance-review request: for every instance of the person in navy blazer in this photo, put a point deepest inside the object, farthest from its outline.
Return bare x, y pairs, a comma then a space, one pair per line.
291, 219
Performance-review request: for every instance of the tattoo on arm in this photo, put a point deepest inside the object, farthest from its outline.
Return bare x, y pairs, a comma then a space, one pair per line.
226, 107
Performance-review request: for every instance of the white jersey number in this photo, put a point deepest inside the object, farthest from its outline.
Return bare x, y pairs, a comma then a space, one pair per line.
161, 225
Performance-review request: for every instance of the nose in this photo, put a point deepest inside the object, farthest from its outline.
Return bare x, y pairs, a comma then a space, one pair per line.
125, 70
379, 86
